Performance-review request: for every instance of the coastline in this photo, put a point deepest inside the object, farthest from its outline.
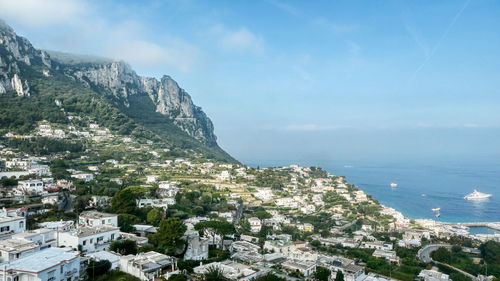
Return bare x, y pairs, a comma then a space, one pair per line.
374, 190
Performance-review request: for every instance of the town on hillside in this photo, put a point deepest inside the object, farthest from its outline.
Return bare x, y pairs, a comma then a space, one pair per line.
83, 202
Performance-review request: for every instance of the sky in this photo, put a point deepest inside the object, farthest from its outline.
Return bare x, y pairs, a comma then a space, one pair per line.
304, 80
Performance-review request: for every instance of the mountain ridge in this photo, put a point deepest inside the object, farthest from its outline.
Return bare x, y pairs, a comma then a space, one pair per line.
161, 106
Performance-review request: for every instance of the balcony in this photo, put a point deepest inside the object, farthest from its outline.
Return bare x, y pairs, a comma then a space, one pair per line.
70, 273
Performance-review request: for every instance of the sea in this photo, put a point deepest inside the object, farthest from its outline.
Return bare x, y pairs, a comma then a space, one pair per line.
422, 184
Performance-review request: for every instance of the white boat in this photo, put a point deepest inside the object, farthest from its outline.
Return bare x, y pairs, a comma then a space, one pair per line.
476, 195
394, 184
436, 209
438, 215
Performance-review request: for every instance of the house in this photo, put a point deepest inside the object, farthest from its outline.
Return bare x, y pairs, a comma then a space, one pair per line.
143, 230
415, 234
149, 266
244, 246
113, 258
11, 223
255, 224
50, 199
34, 187
224, 176
155, 203
378, 245
11, 249
83, 176
139, 240
388, 255
57, 225
99, 201
49, 264
43, 237
151, 179
89, 239
307, 268
433, 275
197, 247
167, 189
232, 270
95, 218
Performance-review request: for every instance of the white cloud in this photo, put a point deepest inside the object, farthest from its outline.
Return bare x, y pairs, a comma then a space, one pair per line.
77, 27
40, 13
147, 54
240, 39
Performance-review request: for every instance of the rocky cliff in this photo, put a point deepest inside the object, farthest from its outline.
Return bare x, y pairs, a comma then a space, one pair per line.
119, 81
115, 80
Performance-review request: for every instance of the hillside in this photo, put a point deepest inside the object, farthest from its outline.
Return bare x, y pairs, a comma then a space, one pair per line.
34, 86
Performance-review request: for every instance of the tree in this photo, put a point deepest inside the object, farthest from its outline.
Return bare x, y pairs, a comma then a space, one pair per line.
269, 277
168, 235
80, 203
124, 247
97, 268
215, 227
214, 273
178, 277
490, 252
442, 254
262, 214
155, 216
323, 274
123, 202
340, 276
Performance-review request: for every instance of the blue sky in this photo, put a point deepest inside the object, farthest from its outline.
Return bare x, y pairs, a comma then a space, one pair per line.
292, 80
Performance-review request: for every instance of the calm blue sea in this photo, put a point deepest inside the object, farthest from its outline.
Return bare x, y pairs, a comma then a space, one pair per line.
423, 185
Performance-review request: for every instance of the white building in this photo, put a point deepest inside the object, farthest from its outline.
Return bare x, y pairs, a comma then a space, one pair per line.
197, 248
433, 275
11, 224
29, 187
94, 218
148, 266
151, 179
83, 176
307, 268
114, 259
255, 224
89, 239
232, 270
155, 203
47, 265
224, 176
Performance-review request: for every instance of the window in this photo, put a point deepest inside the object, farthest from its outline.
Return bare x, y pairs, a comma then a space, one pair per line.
21, 224
84, 242
109, 220
62, 268
91, 240
112, 236
103, 221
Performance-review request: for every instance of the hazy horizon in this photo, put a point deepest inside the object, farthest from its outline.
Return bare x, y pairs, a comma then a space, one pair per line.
294, 80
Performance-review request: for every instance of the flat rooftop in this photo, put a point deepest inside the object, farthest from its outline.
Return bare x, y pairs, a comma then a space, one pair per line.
42, 260
96, 215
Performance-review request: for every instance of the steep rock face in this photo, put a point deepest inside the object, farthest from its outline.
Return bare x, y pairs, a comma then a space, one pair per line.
120, 81
116, 79
15, 51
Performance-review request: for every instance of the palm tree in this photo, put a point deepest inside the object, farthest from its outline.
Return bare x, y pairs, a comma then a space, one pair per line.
214, 273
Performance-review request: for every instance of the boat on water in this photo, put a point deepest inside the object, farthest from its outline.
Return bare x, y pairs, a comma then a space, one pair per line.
394, 184
476, 195
438, 215
423, 194
436, 209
